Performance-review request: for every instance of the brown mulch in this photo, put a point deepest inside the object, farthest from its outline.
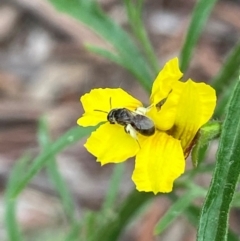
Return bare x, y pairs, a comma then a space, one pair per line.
44, 69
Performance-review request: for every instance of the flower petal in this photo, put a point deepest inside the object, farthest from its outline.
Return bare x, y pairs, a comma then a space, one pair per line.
92, 118
99, 102
111, 144
164, 116
196, 105
158, 163
165, 80
107, 99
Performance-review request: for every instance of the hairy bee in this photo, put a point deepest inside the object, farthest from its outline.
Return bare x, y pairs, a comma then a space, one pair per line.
131, 120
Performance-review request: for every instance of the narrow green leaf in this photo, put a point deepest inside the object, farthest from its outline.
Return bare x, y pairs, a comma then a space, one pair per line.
114, 186
128, 209
200, 169
74, 233
236, 200
177, 209
134, 11
12, 227
109, 55
112, 230
199, 18
11, 223
192, 213
213, 223
90, 226
64, 141
223, 100
105, 53
229, 69
89, 13
54, 174
62, 189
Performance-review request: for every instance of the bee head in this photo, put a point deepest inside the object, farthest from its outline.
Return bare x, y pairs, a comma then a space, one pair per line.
111, 116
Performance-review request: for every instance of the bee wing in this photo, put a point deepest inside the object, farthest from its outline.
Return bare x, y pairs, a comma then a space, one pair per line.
142, 122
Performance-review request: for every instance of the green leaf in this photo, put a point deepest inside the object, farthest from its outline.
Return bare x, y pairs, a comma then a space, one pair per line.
90, 226
134, 11
114, 187
109, 55
89, 13
199, 18
192, 213
13, 230
223, 100
11, 223
231, 66
74, 233
213, 223
236, 200
40, 161
177, 209
135, 201
106, 54
53, 172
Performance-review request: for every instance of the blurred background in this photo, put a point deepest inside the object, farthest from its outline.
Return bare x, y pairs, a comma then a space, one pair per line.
45, 68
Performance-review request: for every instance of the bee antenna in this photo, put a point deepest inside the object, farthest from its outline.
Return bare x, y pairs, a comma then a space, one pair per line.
101, 111
110, 101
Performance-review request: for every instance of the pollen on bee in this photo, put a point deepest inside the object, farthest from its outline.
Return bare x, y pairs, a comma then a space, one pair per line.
131, 131
141, 110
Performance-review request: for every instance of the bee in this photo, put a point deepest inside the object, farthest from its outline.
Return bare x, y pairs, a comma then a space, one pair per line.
133, 121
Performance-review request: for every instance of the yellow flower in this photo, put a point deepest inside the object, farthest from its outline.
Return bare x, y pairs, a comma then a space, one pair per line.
178, 109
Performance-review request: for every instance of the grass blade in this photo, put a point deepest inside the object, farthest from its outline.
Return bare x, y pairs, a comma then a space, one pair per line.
40, 161
134, 12
223, 100
89, 13
192, 213
54, 174
13, 230
114, 186
12, 227
112, 230
177, 209
200, 15
74, 233
228, 71
109, 55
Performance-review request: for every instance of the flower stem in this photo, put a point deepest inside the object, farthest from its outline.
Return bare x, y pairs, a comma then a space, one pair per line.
213, 223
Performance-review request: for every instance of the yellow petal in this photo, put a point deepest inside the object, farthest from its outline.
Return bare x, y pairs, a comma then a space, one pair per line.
107, 99
111, 144
196, 105
165, 80
99, 102
164, 117
158, 163
91, 119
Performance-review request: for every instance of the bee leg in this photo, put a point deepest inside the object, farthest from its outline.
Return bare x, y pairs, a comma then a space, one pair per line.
130, 130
